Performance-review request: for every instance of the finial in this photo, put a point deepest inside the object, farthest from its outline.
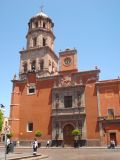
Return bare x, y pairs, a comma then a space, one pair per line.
96, 67
41, 8
15, 77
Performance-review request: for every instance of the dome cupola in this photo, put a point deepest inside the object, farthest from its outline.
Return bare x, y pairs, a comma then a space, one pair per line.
42, 14
40, 31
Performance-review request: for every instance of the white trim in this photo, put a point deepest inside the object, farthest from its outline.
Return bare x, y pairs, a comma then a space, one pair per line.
33, 86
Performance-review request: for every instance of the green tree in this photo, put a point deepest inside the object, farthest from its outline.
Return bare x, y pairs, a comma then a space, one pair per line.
76, 133
1, 120
38, 133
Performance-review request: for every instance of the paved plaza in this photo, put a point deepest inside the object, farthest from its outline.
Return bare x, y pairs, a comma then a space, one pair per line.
66, 153
82, 154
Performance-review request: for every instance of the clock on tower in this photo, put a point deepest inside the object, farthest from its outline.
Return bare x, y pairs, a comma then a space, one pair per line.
68, 60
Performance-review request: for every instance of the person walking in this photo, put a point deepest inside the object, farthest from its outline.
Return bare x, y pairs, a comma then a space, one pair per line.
7, 145
35, 146
48, 143
112, 144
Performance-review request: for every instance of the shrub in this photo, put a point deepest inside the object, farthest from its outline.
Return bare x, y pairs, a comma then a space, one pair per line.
76, 132
38, 133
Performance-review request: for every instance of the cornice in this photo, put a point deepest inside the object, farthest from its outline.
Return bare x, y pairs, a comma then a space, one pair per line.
39, 48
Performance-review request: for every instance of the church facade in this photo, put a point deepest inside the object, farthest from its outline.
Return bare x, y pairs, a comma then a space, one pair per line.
52, 96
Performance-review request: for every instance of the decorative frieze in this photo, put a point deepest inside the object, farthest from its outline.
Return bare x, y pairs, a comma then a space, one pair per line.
66, 111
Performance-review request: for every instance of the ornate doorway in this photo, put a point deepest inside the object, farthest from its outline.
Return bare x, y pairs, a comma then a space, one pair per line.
67, 135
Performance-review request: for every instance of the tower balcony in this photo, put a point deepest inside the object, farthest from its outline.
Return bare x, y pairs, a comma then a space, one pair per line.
68, 111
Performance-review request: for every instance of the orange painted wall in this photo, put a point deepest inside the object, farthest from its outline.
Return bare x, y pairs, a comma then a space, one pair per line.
34, 108
37, 109
91, 111
14, 111
109, 98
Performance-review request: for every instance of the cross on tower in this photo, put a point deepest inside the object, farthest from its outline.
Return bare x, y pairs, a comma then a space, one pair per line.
41, 8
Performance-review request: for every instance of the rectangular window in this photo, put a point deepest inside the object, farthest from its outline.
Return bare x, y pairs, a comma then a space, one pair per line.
68, 101
110, 113
31, 89
30, 127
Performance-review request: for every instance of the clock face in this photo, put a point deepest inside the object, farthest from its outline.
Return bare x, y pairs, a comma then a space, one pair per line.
67, 61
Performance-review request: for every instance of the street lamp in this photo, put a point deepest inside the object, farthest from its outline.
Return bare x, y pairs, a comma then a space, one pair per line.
2, 107
56, 123
79, 105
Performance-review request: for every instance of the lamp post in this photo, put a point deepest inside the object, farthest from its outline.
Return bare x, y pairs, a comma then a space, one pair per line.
56, 123
78, 105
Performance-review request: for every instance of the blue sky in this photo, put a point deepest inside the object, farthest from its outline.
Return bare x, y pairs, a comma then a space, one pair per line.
90, 26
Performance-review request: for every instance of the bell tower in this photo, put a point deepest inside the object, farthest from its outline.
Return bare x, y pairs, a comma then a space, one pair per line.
39, 55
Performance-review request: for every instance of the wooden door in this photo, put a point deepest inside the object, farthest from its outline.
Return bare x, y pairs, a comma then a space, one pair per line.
67, 135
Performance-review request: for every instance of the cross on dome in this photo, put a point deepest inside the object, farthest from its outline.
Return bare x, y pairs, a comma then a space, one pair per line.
41, 8
41, 13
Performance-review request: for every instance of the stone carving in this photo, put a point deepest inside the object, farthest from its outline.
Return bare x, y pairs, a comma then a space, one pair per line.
66, 81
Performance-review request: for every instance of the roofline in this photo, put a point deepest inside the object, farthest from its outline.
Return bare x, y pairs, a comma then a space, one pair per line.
68, 51
109, 81
88, 71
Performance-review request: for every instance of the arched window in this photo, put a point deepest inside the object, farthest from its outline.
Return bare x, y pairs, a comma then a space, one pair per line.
44, 41
33, 66
41, 65
36, 24
44, 25
25, 67
34, 41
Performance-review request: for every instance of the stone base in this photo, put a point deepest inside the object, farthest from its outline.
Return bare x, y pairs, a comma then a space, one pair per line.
57, 143
93, 142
